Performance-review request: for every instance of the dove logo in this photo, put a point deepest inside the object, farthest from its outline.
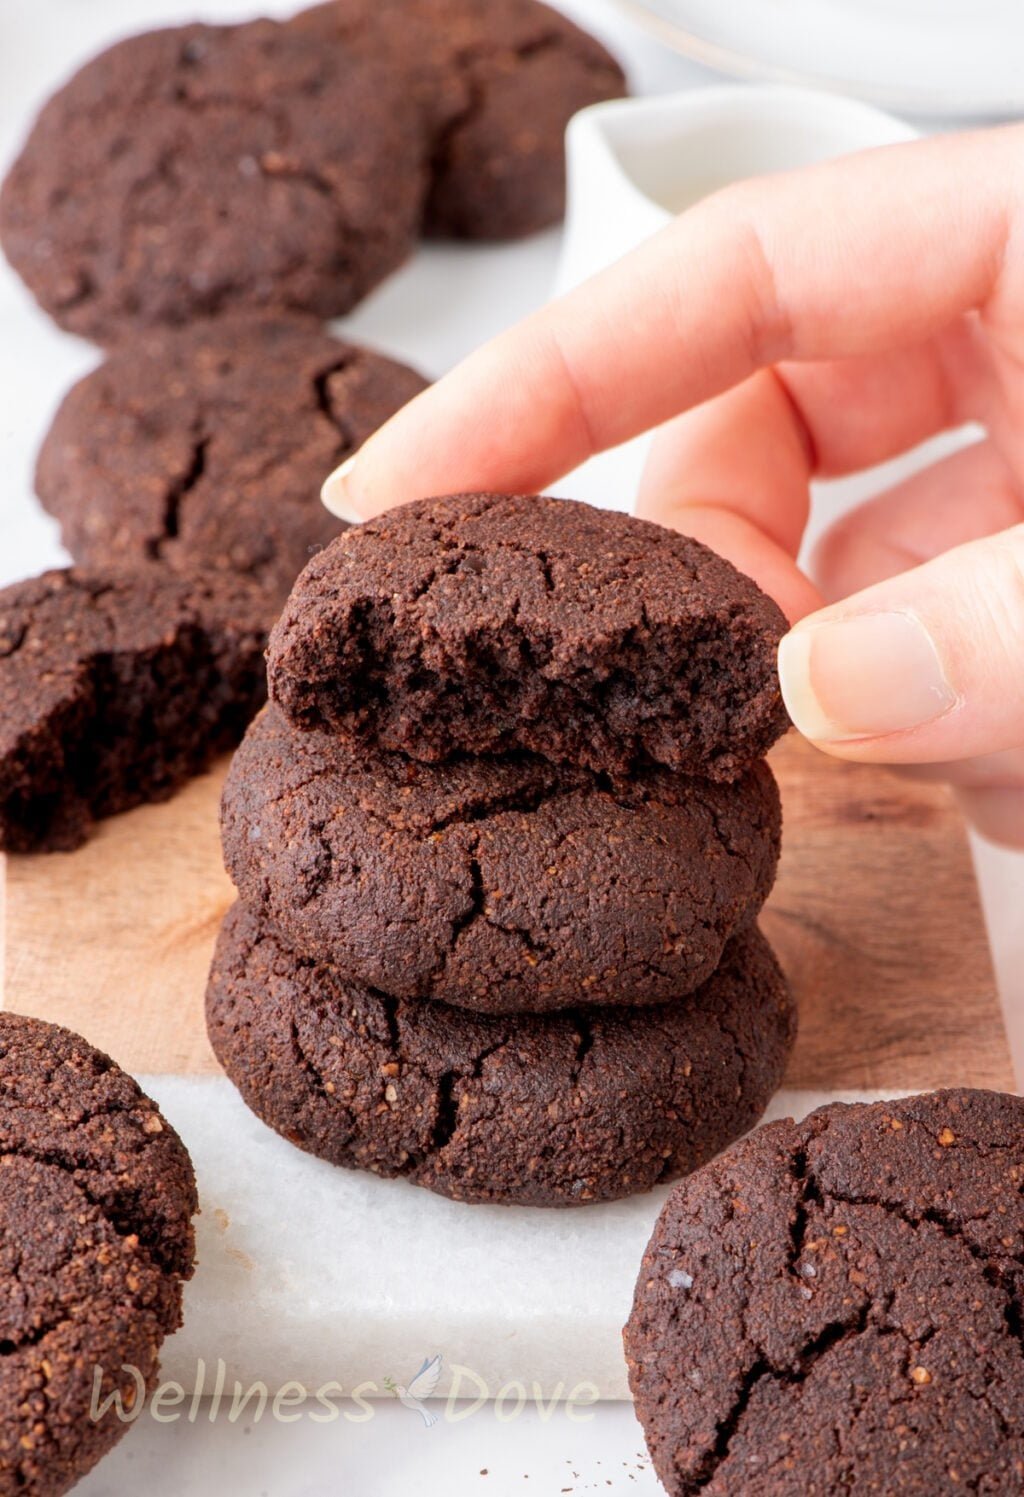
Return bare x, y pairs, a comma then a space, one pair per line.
422, 1386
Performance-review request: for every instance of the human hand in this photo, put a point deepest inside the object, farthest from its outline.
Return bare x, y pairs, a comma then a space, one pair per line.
805, 325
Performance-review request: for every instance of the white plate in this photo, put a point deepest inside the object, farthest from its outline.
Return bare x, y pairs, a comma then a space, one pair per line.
945, 58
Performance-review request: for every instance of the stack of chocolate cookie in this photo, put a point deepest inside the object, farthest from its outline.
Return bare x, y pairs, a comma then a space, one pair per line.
501, 839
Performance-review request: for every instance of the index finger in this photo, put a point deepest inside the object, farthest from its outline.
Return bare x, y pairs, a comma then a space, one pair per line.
869, 252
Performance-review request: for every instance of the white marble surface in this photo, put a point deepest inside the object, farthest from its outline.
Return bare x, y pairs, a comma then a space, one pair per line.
407, 1235
600, 1454
311, 1273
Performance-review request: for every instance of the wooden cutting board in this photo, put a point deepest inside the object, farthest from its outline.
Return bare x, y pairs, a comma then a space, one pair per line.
875, 918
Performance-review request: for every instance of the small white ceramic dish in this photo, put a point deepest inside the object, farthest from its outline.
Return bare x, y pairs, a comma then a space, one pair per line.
635, 163
942, 58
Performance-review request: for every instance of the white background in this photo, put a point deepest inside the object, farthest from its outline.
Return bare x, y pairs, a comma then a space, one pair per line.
419, 316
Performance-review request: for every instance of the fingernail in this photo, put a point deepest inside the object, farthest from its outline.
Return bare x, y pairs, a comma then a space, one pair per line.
335, 494
862, 677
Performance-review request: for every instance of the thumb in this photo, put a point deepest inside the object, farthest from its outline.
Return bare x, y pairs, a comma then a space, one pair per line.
926, 666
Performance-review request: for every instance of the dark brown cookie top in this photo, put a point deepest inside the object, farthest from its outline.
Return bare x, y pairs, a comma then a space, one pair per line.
114, 688
96, 1200
835, 1305
499, 884
498, 83
207, 445
67, 1106
186, 172
482, 623
531, 1109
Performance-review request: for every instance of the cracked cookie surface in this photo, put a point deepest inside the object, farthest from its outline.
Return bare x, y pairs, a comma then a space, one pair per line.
836, 1305
207, 445
115, 688
186, 172
502, 885
497, 83
96, 1201
535, 1110
483, 623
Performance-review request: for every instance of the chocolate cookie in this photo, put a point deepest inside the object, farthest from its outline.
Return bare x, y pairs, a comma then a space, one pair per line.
498, 83
836, 1305
481, 623
114, 689
504, 885
536, 1110
207, 445
186, 172
96, 1200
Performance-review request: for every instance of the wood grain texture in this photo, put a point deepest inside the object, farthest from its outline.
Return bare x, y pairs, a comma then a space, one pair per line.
875, 917
114, 940
876, 920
